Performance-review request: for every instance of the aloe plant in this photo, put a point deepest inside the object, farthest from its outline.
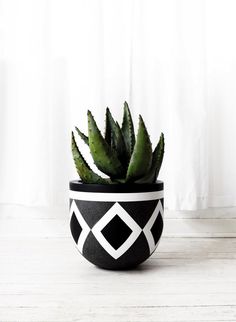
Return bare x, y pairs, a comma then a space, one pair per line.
118, 154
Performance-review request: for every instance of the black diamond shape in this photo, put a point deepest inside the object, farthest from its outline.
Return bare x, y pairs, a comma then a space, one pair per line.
75, 227
157, 228
116, 232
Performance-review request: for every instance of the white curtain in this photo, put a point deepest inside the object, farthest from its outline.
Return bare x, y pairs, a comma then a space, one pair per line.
174, 61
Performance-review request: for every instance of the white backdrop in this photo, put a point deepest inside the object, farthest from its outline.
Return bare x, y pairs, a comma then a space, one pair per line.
173, 61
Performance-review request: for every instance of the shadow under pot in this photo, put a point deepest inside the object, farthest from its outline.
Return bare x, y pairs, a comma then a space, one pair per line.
116, 226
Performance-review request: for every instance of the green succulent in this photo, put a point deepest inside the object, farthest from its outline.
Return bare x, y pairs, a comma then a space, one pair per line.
118, 154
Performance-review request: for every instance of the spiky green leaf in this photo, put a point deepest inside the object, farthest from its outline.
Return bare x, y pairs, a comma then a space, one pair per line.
141, 158
116, 138
105, 158
85, 172
82, 136
157, 158
128, 130
107, 128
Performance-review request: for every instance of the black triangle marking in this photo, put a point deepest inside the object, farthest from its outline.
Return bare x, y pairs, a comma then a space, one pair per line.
93, 211
75, 227
157, 228
140, 211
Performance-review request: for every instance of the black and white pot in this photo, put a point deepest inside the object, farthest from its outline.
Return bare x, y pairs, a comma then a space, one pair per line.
116, 226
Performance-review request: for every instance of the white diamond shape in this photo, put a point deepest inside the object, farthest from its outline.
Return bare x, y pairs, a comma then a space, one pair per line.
116, 209
148, 227
85, 228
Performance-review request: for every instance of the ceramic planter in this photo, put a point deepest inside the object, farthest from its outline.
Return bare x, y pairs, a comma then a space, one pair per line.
116, 226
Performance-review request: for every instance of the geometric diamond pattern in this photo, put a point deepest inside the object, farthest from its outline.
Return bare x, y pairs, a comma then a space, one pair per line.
150, 225
116, 210
74, 211
75, 227
116, 231
156, 229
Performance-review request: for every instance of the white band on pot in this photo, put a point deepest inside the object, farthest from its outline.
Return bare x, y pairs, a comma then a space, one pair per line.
101, 196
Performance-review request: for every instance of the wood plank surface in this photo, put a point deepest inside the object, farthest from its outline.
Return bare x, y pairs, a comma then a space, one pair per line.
43, 278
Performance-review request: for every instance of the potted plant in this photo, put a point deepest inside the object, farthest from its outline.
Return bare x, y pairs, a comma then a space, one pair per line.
117, 221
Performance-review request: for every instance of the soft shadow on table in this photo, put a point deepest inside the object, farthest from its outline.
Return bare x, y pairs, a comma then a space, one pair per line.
144, 267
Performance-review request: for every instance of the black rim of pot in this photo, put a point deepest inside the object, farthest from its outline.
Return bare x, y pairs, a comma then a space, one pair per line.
77, 185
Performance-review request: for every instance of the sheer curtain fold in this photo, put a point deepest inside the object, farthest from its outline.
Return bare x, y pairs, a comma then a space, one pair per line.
171, 60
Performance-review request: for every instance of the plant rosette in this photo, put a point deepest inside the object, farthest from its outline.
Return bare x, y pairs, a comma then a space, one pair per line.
117, 222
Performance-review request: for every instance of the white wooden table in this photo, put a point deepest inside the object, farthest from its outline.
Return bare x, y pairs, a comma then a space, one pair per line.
43, 277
